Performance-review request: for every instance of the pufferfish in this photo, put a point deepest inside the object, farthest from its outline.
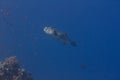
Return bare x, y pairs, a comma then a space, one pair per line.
59, 35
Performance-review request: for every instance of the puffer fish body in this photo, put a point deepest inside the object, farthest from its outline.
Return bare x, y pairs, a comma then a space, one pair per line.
59, 35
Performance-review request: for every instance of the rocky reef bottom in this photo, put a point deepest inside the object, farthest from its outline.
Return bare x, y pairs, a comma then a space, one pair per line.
10, 69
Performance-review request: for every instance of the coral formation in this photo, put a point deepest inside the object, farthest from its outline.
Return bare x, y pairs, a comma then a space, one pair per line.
10, 70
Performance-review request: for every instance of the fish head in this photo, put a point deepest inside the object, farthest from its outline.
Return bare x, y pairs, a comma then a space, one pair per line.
49, 30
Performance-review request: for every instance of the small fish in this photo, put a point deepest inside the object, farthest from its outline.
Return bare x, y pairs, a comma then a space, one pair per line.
59, 35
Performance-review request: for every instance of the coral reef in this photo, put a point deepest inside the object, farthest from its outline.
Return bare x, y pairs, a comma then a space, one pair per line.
10, 70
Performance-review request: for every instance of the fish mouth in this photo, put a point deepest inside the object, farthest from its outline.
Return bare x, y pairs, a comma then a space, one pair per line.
45, 29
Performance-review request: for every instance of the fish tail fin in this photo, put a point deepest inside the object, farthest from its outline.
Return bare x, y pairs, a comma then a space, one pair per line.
73, 43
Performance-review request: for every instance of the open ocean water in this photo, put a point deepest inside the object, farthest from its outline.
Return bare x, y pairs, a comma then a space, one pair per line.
93, 24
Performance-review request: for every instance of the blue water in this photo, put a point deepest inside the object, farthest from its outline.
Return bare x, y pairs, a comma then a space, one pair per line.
93, 24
